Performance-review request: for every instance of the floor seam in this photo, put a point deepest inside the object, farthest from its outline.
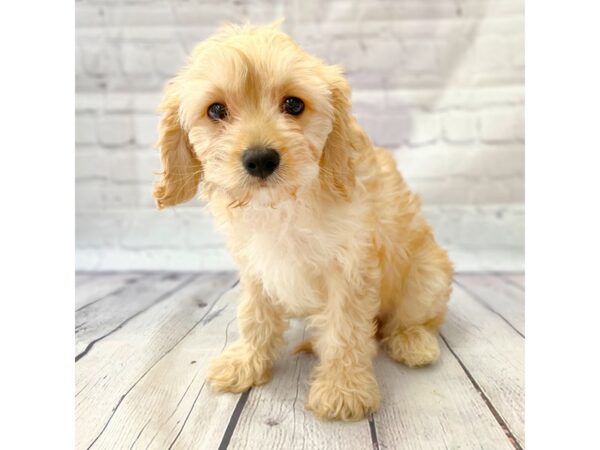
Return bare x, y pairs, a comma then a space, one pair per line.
159, 359
482, 302
118, 327
509, 434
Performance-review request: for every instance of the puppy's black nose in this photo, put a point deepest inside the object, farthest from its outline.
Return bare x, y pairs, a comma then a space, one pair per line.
260, 161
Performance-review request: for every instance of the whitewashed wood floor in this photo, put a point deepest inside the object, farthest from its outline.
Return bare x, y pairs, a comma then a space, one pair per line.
143, 341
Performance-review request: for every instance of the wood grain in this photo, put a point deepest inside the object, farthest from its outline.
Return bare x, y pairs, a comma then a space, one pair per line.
142, 385
176, 384
106, 316
203, 415
275, 416
433, 407
506, 300
106, 377
98, 287
492, 353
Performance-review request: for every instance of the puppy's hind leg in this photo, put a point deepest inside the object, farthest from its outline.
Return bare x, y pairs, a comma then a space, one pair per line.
410, 328
413, 346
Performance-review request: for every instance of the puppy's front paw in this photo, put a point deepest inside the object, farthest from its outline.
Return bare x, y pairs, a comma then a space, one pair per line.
336, 395
237, 370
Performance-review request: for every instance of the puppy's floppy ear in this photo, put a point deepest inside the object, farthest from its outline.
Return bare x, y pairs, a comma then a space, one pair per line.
337, 168
181, 169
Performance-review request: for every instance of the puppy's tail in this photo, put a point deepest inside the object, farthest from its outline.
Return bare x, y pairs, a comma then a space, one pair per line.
303, 347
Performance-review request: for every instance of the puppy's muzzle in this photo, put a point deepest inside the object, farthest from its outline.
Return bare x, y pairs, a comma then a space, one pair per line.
260, 161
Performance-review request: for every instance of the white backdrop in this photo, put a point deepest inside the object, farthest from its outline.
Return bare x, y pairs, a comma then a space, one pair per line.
440, 82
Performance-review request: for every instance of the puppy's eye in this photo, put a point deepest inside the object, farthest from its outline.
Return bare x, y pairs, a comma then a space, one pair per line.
293, 106
217, 111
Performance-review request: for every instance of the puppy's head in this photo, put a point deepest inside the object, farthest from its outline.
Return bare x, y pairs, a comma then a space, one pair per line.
254, 117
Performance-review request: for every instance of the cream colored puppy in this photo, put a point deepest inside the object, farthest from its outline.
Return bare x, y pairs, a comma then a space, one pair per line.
319, 220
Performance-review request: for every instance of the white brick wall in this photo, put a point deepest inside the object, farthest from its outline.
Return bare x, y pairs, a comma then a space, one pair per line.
438, 82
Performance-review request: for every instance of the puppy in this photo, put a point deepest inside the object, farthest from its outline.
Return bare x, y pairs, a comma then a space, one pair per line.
319, 220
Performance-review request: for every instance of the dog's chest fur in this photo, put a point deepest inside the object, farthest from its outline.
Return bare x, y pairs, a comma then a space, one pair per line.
291, 249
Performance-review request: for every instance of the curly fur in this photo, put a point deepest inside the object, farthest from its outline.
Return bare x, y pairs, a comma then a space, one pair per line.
334, 235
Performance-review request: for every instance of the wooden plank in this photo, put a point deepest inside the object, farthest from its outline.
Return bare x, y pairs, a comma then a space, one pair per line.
275, 417
492, 354
99, 286
94, 322
514, 279
130, 364
171, 404
143, 386
433, 407
201, 416
504, 299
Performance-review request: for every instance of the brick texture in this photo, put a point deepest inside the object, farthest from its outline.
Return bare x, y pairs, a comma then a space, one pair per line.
440, 83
